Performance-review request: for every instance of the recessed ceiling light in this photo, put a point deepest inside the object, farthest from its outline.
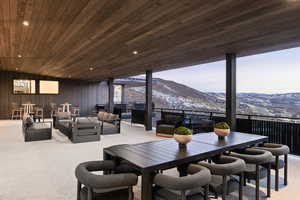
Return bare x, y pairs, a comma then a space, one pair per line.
19, 56
135, 52
25, 23
91, 68
69, 76
17, 69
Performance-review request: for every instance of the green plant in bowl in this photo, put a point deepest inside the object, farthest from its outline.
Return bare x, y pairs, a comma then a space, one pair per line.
183, 135
183, 131
222, 125
222, 129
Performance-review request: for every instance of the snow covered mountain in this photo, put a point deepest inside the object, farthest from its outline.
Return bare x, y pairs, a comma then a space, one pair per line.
169, 94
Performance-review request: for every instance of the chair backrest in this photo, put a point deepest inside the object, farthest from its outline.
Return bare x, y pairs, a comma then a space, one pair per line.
63, 115
14, 105
172, 117
39, 111
85, 176
53, 106
138, 116
201, 176
76, 110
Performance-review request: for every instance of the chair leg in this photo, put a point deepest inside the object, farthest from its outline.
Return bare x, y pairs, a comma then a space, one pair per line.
78, 190
224, 188
286, 169
257, 182
241, 182
276, 173
183, 197
90, 194
130, 193
269, 181
206, 190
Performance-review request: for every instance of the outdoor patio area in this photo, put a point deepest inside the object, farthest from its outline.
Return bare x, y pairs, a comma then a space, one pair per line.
45, 169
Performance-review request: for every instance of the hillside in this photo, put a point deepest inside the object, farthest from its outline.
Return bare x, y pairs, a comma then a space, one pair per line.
169, 94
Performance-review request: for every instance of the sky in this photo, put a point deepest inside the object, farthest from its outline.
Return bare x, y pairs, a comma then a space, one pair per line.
270, 73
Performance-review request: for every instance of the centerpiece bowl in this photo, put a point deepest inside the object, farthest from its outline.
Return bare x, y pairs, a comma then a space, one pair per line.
183, 135
222, 129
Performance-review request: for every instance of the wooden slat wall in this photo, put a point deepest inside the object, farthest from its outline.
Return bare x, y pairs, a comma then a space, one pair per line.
83, 93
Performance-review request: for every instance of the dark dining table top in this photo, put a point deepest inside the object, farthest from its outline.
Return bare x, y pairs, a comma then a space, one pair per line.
166, 153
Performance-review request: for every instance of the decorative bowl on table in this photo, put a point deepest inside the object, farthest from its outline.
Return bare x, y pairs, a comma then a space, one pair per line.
183, 135
222, 129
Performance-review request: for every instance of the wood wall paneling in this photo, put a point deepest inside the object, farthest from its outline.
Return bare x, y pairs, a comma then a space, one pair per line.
77, 92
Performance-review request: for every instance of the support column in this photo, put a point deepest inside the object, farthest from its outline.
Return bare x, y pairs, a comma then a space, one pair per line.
148, 106
231, 90
110, 94
123, 94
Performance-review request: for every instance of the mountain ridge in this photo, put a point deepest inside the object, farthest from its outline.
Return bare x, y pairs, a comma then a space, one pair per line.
170, 94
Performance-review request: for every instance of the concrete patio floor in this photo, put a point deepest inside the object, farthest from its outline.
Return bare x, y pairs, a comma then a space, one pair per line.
44, 170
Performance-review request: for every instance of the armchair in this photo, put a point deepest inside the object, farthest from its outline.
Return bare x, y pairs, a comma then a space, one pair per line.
169, 121
35, 131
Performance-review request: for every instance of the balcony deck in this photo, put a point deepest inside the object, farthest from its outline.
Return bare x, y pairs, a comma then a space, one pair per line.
45, 169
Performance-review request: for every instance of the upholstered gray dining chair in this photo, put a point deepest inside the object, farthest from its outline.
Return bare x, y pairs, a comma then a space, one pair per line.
223, 167
278, 150
255, 160
92, 186
173, 188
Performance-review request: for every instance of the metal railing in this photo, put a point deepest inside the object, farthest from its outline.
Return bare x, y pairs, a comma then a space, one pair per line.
277, 129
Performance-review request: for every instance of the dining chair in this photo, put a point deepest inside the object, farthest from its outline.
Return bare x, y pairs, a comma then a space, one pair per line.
171, 187
39, 113
53, 107
256, 160
91, 186
15, 111
222, 168
277, 151
76, 111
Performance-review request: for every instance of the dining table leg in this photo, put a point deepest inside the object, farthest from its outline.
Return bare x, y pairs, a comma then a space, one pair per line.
182, 169
147, 183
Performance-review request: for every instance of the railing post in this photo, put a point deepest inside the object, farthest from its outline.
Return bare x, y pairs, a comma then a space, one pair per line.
249, 124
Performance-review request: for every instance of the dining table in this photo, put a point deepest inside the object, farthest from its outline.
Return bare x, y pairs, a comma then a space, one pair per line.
28, 108
66, 107
150, 157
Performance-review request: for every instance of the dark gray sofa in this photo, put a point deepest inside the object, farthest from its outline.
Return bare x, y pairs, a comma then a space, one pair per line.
110, 123
82, 129
85, 129
35, 131
63, 122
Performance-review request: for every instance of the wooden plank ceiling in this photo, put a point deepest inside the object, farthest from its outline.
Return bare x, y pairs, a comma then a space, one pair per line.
65, 38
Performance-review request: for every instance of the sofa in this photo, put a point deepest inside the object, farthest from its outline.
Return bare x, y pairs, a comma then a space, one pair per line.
35, 131
85, 129
63, 122
81, 129
168, 123
110, 123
